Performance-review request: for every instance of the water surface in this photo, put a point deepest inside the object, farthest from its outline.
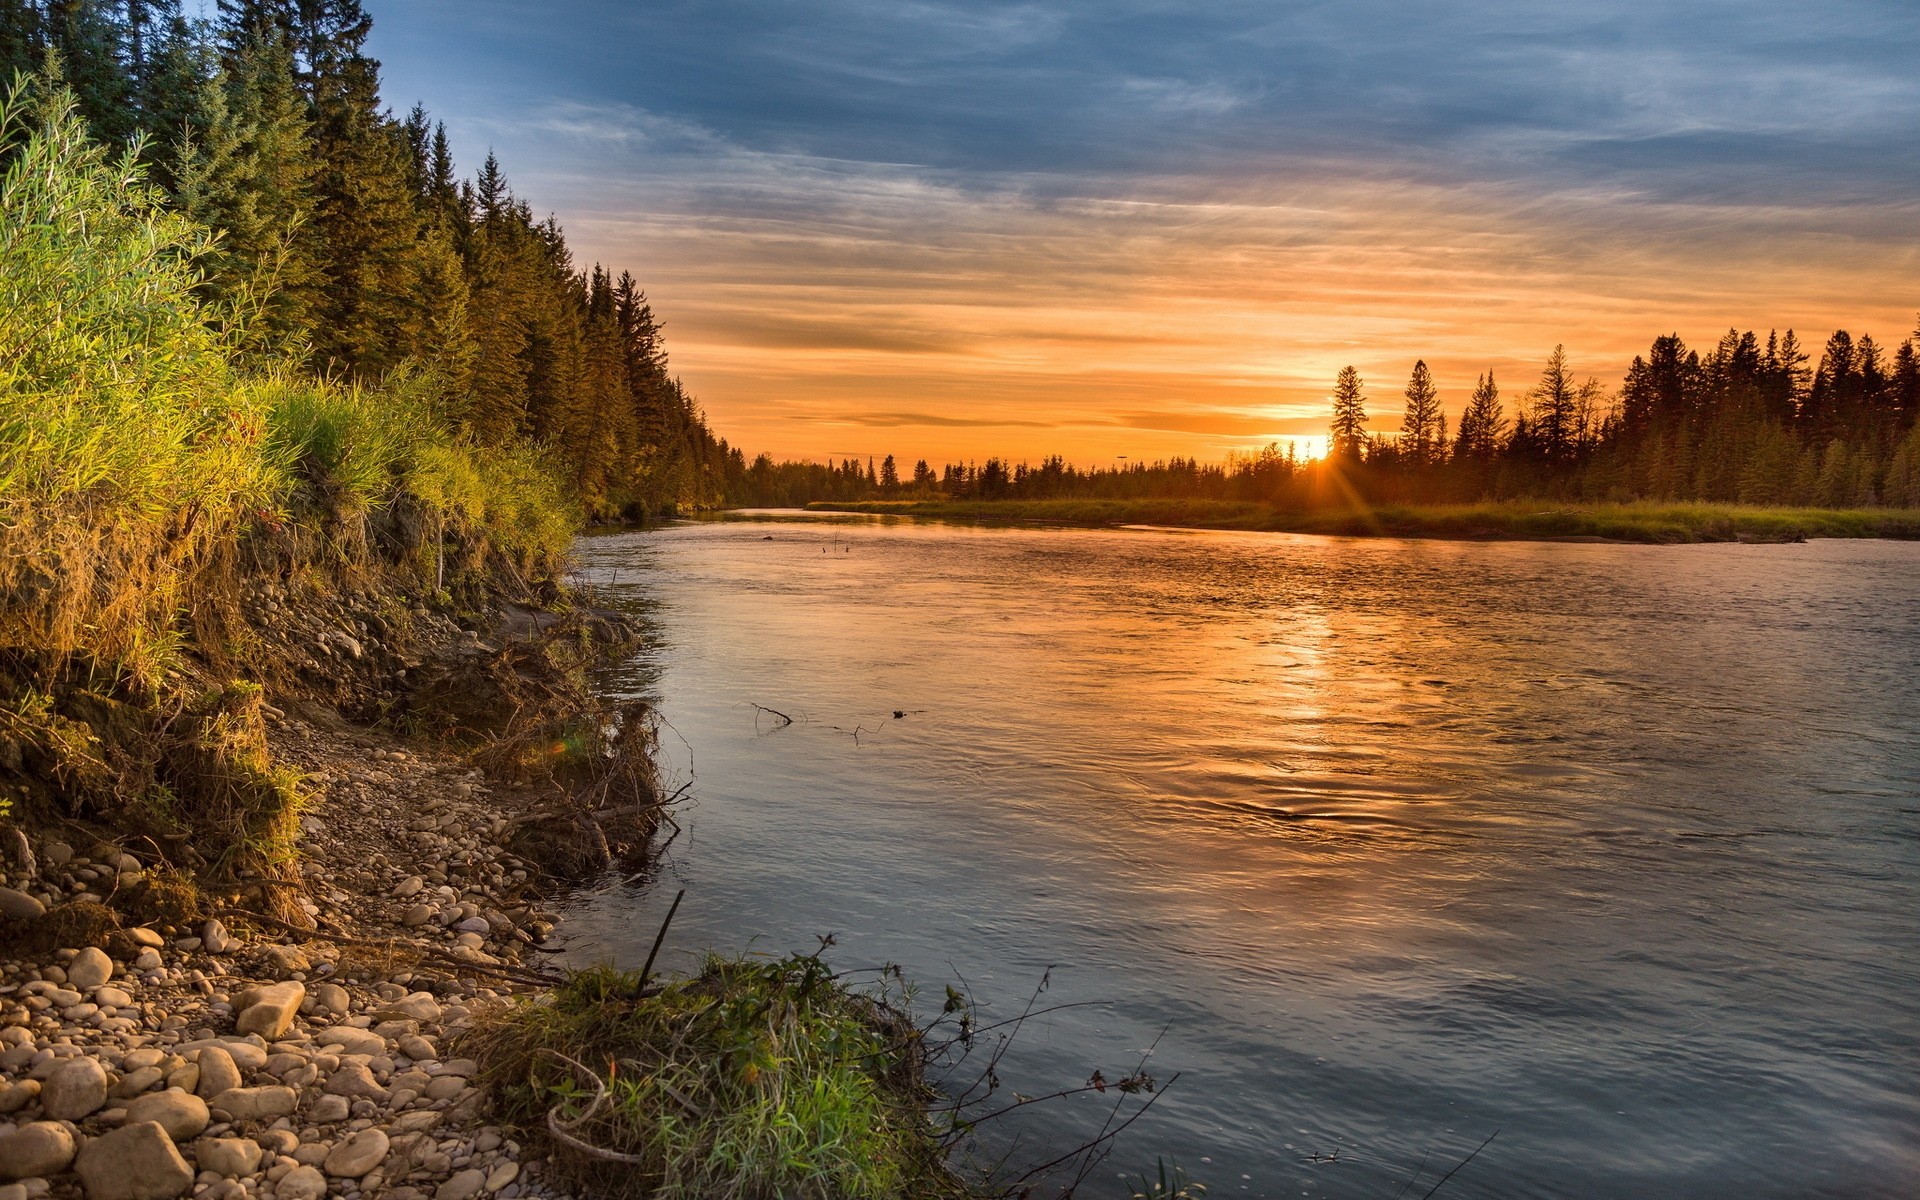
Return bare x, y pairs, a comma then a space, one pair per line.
1390, 844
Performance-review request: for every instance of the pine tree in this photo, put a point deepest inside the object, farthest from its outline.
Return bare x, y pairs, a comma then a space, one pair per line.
1348, 435
1482, 424
1422, 435
1555, 408
246, 172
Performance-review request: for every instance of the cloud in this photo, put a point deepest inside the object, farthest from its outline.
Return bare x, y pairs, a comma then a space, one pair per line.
1149, 226
936, 421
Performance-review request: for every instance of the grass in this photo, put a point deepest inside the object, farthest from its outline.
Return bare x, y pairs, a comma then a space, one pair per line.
137, 448
1645, 521
752, 1080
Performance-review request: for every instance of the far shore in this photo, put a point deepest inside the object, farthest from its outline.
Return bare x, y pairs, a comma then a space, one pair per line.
1513, 520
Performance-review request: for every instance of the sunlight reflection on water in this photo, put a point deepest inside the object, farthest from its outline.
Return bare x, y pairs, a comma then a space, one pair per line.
1611, 848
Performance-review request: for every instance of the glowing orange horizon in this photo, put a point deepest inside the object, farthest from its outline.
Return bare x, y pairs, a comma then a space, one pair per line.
951, 326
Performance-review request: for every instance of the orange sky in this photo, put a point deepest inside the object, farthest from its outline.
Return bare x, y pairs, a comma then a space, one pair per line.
956, 228
1184, 325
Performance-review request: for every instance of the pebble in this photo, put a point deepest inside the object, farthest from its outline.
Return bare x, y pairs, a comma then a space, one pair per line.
182, 1114
214, 938
20, 906
463, 1186
217, 1072
358, 1154
257, 1103
269, 1011
355, 1080
36, 1149
134, 1162
228, 1156
301, 1183
89, 969
75, 1089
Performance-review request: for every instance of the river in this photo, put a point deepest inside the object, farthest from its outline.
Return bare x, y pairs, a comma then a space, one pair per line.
1382, 846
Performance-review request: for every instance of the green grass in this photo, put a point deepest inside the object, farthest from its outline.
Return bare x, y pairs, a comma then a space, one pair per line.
1646, 521
136, 448
753, 1080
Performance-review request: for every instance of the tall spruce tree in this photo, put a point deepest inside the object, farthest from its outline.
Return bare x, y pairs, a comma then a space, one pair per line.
1421, 436
1347, 436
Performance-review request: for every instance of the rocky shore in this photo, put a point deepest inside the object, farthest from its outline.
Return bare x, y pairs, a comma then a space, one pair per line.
232, 1054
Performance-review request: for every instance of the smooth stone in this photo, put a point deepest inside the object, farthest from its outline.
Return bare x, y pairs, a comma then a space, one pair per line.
147, 937
34, 1150
446, 1087
246, 1055
214, 938
419, 1006
503, 1175
257, 1103
16, 1096
301, 1183
351, 1040
182, 1114
409, 886
418, 1048
20, 906
134, 1162
112, 997
75, 1089
228, 1156
89, 969
358, 1154
418, 915
269, 1011
354, 1079
463, 1186
288, 959
136, 1081
218, 1073
329, 1110
333, 999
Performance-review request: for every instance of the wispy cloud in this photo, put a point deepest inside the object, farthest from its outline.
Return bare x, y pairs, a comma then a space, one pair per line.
1149, 224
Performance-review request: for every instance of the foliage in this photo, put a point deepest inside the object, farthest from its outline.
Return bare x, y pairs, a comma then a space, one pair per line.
127, 448
1644, 521
753, 1080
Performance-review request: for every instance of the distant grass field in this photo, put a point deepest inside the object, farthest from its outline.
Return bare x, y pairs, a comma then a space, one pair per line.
1661, 523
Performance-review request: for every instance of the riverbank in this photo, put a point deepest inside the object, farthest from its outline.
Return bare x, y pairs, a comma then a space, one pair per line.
1516, 520
163, 1034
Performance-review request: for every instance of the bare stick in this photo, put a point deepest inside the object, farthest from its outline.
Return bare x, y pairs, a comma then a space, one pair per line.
647, 971
1463, 1162
771, 712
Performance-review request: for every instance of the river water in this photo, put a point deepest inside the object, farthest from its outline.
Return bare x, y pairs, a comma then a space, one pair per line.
1389, 845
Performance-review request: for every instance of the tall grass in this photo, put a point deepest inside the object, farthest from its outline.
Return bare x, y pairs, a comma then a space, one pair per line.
135, 451
753, 1080
126, 448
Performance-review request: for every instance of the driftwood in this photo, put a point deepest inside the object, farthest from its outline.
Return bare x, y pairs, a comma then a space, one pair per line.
396, 946
562, 1131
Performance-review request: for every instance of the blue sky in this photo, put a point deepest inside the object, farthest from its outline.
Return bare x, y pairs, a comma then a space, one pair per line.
1160, 228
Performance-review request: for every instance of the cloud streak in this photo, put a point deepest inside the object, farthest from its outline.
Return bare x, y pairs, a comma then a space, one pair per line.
1147, 227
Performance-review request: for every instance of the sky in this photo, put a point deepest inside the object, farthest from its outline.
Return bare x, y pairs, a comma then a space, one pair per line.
1144, 228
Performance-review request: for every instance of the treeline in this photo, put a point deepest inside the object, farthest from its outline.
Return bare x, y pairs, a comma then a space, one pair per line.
1749, 422
345, 241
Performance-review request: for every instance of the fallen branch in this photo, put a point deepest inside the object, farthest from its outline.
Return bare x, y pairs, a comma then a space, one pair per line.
562, 1131
394, 945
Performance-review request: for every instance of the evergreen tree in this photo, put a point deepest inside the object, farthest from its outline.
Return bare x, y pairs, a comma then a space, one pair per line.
246, 172
1555, 409
1482, 425
1348, 434
1422, 428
